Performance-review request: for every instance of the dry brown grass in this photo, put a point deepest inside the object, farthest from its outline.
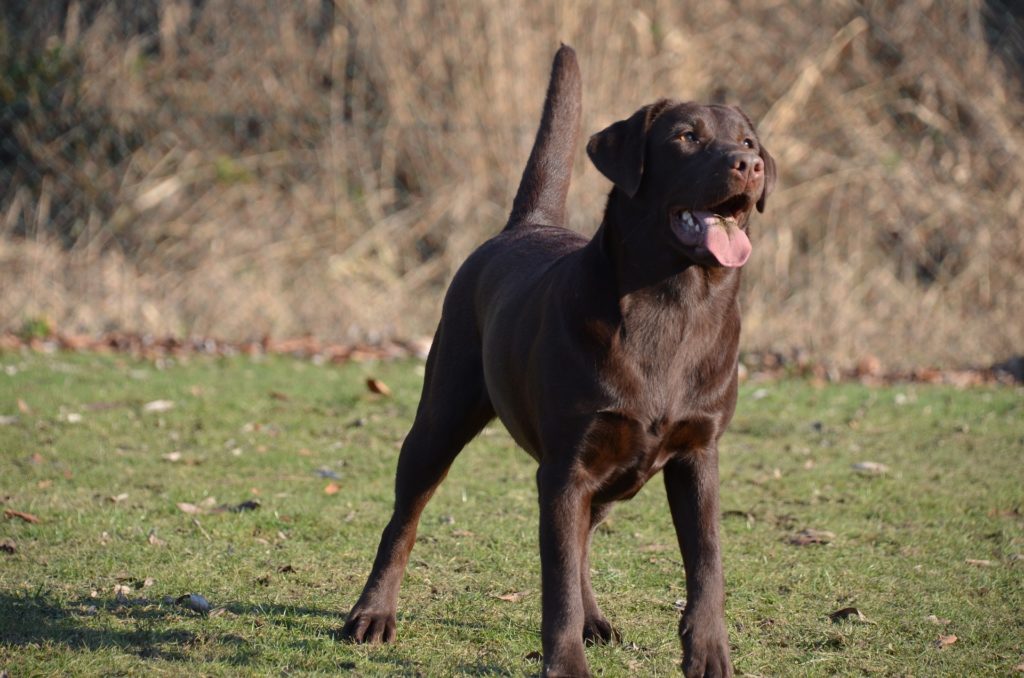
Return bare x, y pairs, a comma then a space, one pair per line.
247, 169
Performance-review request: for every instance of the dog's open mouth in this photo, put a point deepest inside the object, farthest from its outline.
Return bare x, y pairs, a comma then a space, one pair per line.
715, 230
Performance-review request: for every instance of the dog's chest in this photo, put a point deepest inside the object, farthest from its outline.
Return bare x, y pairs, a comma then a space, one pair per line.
621, 451
667, 395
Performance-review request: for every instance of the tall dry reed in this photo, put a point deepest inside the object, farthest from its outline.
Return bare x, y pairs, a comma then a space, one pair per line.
241, 168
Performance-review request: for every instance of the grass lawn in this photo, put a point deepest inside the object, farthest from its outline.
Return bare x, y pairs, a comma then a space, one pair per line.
133, 504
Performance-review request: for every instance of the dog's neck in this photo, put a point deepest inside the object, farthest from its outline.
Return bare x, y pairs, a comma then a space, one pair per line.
664, 316
649, 270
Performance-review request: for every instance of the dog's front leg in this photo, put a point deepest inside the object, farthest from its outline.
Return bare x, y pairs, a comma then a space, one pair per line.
564, 529
692, 485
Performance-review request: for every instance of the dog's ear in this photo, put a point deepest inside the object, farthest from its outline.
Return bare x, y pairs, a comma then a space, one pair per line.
769, 177
617, 151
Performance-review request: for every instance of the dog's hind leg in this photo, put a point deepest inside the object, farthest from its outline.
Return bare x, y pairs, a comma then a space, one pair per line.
453, 409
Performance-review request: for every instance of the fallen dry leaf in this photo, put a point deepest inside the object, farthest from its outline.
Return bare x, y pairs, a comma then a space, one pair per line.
945, 641
870, 468
8, 546
869, 366
377, 386
513, 597
978, 562
117, 499
938, 621
278, 395
23, 407
172, 456
121, 592
188, 508
27, 517
807, 537
158, 406
73, 418
332, 488
155, 540
44, 484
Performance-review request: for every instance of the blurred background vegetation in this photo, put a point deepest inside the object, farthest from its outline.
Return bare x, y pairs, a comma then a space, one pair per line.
243, 168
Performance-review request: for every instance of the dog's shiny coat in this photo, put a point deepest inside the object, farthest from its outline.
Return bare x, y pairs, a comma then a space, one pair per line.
608, 360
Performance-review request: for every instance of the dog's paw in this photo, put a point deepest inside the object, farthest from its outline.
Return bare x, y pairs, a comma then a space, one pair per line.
564, 671
705, 649
599, 631
369, 626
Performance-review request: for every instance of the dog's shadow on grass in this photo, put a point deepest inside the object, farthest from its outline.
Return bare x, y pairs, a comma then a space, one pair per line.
160, 630
142, 626
41, 620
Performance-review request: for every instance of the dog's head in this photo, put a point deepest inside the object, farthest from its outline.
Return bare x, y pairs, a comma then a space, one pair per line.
700, 167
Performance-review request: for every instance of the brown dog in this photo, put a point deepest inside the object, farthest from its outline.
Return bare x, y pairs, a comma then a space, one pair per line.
608, 360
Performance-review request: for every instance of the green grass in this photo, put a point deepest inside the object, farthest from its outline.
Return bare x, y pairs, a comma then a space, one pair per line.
282, 577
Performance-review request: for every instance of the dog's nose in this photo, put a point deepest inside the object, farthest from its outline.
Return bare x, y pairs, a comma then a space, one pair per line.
747, 165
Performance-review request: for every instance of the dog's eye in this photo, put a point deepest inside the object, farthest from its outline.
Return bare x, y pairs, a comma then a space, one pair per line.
690, 136
749, 143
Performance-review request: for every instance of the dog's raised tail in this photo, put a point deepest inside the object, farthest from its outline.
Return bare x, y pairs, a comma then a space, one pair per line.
545, 182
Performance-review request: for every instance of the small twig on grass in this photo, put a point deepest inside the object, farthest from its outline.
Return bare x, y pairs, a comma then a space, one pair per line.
195, 521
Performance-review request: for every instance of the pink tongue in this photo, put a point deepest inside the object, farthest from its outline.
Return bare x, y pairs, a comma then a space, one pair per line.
729, 244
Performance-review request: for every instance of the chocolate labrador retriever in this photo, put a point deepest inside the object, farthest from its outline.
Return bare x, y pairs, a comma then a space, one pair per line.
608, 360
